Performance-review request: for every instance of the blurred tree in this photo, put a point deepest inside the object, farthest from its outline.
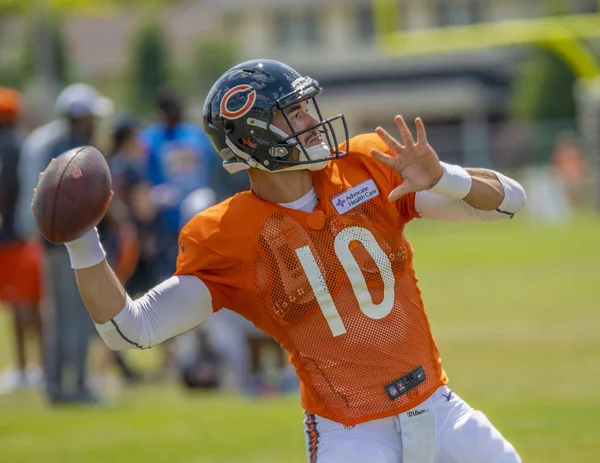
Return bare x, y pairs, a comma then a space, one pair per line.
542, 75
45, 63
151, 66
544, 98
543, 94
544, 89
8, 7
212, 58
55, 45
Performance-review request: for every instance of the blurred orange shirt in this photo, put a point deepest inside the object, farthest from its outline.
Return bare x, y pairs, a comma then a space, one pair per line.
335, 287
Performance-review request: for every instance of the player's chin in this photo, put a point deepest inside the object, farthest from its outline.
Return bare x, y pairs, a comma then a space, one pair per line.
314, 141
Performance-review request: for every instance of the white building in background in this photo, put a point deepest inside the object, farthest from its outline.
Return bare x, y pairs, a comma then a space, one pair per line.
461, 96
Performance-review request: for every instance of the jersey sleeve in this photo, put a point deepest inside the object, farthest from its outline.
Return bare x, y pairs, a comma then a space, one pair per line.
218, 273
362, 145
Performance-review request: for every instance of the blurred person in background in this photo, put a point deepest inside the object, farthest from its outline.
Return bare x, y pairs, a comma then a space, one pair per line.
570, 166
228, 350
128, 227
20, 259
180, 161
120, 236
128, 165
250, 362
236, 342
201, 362
68, 330
226, 185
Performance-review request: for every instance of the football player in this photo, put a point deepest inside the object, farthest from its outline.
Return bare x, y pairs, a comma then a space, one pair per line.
315, 256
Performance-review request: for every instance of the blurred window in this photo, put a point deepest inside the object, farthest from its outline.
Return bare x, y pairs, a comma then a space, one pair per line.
460, 12
364, 23
296, 29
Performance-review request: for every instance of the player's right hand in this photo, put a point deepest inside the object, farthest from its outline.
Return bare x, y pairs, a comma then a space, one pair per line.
417, 163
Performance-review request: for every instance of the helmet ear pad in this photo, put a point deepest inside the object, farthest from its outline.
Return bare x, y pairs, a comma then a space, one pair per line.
256, 143
259, 140
229, 126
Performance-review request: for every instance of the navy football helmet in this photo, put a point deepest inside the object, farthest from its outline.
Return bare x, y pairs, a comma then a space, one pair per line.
240, 107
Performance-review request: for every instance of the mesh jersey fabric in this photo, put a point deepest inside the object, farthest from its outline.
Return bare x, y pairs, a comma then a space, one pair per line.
337, 290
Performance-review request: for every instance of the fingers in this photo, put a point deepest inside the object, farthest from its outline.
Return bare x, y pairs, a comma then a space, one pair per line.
400, 191
385, 159
405, 134
52, 161
407, 137
421, 135
388, 139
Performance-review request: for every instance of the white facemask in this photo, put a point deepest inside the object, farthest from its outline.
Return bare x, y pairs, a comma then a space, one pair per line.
317, 152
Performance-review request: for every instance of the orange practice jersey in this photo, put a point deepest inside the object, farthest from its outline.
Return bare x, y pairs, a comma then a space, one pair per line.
335, 287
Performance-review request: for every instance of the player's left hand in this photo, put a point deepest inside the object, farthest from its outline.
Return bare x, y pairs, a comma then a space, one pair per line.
416, 162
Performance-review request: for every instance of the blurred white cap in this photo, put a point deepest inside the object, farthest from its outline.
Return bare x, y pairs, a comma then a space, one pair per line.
78, 100
196, 202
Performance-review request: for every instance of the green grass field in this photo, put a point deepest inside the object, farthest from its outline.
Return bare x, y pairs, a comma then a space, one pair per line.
513, 305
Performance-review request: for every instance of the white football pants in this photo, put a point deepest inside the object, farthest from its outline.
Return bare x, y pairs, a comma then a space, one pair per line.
443, 429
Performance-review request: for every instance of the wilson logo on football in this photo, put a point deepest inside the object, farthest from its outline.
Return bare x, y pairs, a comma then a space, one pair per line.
226, 110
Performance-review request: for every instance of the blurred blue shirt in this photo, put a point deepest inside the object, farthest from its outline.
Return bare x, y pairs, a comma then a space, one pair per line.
180, 160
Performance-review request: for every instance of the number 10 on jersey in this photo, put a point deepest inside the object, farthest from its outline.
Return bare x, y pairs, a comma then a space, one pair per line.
354, 274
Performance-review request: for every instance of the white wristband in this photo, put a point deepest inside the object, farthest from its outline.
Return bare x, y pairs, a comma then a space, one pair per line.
86, 251
455, 182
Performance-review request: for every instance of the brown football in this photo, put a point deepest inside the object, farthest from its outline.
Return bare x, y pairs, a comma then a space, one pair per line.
73, 194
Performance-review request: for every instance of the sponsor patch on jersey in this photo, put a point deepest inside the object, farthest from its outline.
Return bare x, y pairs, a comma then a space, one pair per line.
405, 383
355, 196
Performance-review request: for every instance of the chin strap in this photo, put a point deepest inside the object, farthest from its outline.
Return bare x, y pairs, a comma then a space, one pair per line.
233, 167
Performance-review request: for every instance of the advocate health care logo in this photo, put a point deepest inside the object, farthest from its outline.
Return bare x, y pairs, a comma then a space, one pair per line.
227, 113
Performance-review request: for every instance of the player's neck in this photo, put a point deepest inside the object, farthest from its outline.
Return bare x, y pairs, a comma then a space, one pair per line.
280, 187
